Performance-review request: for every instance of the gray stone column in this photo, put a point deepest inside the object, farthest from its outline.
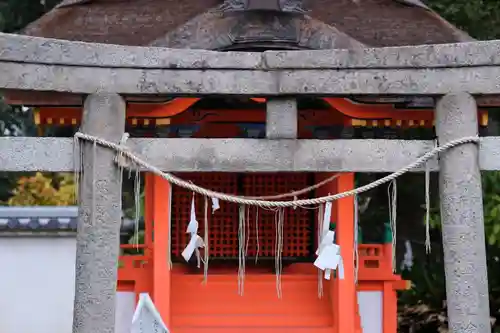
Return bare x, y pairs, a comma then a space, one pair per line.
281, 118
99, 220
462, 217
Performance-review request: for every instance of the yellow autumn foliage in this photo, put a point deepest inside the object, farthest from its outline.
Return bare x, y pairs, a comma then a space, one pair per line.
41, 190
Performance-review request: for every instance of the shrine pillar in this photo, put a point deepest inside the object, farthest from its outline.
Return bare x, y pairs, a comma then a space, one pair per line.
99, 218
161, 220
462, 217
344, 290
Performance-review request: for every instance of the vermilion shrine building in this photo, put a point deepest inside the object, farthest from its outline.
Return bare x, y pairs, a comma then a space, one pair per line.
237, 103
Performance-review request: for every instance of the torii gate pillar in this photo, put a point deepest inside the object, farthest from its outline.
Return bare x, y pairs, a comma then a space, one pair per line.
462, 217
99, 218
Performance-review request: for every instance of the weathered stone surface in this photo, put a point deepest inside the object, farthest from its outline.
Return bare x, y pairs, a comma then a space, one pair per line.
281, 118
479, 53
99, 219
87, 80
36, 154
230, 155
53, 51
462, 217
29, 63
433, 81
489, 153
26, 49
56, 154
135, 81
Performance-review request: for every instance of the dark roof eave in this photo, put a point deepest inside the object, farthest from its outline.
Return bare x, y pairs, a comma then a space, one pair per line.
45, 218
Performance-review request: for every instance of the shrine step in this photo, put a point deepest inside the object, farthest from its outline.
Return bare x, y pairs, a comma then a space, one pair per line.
252, 320
252, 330
216, 306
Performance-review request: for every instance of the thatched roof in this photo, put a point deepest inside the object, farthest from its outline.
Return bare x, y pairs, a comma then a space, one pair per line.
184, 23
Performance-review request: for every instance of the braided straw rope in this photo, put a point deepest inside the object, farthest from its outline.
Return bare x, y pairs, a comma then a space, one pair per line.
125, 152
298, 192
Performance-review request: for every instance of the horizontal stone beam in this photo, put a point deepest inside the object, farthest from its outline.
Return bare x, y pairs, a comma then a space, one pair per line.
470, 54
49, 65
433, 81
28, 49
87, 80
238, 155
37, 50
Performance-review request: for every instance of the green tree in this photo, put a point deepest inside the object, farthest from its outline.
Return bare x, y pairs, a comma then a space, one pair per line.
42, 190
16, 14
423, 308
477, 17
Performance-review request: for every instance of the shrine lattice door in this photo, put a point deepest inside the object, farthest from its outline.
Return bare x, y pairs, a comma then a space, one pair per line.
299, 224
216, 305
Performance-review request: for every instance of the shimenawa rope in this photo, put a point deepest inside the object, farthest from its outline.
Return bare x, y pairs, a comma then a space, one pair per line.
125, 152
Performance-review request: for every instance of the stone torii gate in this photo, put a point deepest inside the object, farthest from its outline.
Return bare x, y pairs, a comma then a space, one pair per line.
454, 74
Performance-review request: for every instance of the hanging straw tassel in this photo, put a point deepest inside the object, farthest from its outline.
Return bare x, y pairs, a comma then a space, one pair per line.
257, 233
77, 166
205, 261
137, 199
392, 191
282, 237
94, 158
427, 209
321, 213
121, 159
280, 219
356, 225
169, 251
247, 229
241, 252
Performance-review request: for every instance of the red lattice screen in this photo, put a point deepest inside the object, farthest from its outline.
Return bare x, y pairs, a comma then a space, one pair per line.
223, 225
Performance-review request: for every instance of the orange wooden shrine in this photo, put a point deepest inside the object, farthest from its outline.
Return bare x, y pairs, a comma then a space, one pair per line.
189, 305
